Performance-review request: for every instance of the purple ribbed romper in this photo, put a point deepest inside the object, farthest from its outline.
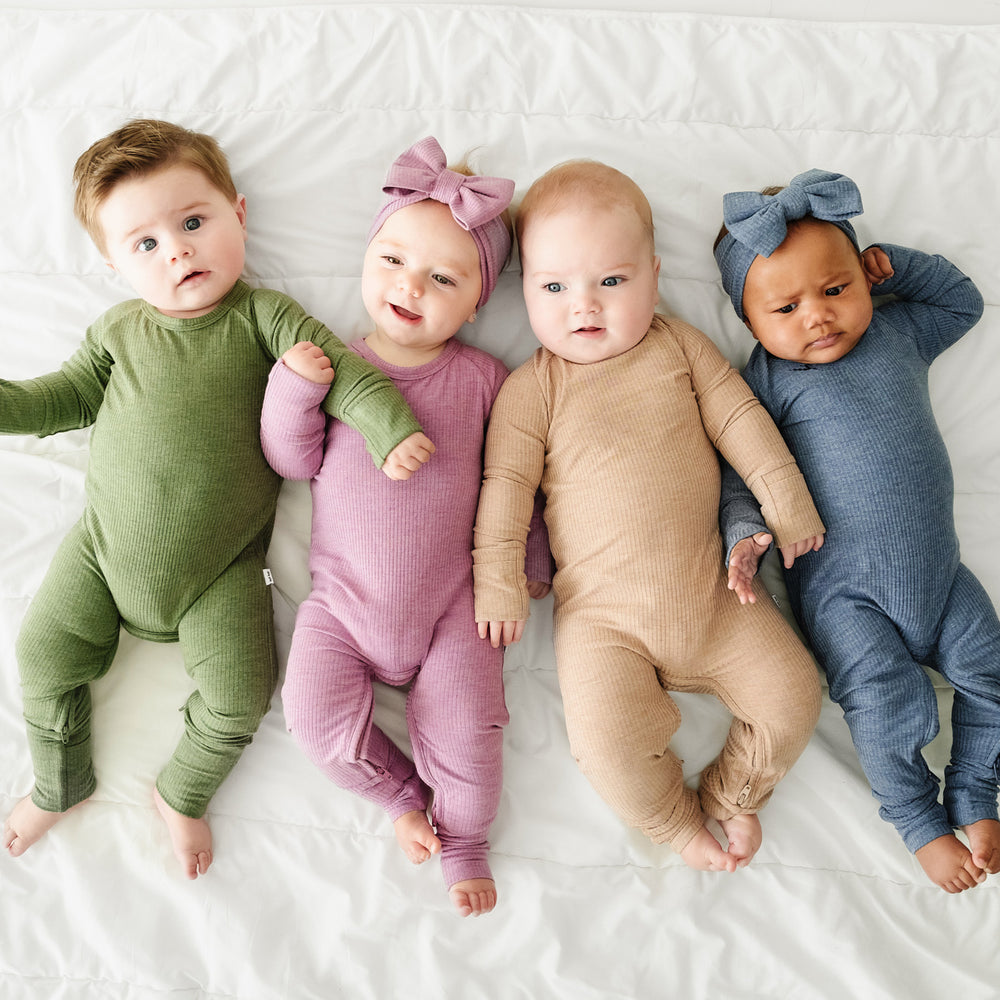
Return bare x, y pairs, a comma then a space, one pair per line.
392, 600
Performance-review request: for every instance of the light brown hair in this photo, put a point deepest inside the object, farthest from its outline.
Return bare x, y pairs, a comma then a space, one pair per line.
141, 147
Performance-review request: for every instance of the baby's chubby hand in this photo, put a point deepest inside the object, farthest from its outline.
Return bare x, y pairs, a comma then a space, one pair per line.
309, 361
743, 563
875, 262
408, 456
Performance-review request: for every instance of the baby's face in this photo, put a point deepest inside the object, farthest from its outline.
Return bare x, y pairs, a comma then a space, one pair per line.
420, 283
810, 301
176, 239
589, 280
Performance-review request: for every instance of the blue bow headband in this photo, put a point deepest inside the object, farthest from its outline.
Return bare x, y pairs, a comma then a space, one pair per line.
758, 223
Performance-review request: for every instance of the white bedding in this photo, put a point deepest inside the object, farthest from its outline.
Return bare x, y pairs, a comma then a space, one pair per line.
309, 897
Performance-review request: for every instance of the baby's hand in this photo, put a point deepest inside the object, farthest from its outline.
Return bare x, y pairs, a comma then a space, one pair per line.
309, 361
875, 263
743, 563
505, 632
791, 552
537, 589
408, 456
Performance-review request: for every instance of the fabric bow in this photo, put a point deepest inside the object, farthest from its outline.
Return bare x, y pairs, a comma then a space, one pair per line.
422, 171
759, 221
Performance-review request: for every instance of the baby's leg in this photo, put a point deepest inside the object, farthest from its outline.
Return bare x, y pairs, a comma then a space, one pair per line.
761, 672
948, 864
456, 714
968, 656
416, 836
191, 838
620, 722
227, 638
329, 702
26, 824
984, 843
891, 710
68, 639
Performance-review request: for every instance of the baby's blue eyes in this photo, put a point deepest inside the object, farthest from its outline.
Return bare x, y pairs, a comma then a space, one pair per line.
188, 225
558, 286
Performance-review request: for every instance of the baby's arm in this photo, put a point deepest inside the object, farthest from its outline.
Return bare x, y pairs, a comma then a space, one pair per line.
63, 400
747, 538
292, 423
360, 395
309, 361
756, 456
932, 299
514, 459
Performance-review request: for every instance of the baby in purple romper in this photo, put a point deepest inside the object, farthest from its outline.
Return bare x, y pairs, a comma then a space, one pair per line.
391, 563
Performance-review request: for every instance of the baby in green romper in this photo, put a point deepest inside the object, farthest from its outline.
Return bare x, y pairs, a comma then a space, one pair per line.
180, 500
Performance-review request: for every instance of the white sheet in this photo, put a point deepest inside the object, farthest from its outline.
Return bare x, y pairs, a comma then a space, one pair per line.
309, 898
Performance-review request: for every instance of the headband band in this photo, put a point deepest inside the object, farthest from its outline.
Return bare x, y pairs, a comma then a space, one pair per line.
476, 203
758, 223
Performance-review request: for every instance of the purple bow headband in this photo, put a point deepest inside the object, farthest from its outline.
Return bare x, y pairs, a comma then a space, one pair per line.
758, 223
476, 203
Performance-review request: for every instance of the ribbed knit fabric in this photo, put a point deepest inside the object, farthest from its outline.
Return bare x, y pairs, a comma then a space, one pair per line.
887, 587
391, 570
177, 490
625, 453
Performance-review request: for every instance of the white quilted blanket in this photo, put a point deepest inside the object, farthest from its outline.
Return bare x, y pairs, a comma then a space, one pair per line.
309, 897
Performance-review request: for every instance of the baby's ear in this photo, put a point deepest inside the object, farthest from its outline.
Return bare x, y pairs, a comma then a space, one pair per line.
746, 323
241, 211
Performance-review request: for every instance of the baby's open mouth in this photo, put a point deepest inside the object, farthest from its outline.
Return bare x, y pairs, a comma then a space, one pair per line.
405, 313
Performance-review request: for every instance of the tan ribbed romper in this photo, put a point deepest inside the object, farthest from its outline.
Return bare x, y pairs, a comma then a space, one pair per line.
625, 452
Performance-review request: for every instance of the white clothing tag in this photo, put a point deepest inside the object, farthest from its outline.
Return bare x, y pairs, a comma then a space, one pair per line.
268, 578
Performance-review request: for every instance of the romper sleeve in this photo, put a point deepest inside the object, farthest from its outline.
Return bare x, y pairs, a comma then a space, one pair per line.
293, 424
361, 396
932, 300
514, 461
748, 439
63, 400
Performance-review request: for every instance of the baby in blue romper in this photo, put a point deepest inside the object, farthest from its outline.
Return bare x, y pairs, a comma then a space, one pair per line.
886, 594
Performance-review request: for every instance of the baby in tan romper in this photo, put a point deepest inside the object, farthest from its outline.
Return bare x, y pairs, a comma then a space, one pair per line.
618, 417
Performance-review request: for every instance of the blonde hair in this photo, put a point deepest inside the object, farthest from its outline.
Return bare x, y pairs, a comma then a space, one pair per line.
569, 183
140, 147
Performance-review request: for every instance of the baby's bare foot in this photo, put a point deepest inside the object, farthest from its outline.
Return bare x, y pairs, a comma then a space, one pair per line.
984, 843
26, 824
190, 838
473, 897
705, 854
949, 864
744, 835
416, 836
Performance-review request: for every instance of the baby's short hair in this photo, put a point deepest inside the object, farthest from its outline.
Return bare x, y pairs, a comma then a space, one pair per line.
569, 183
142, 146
